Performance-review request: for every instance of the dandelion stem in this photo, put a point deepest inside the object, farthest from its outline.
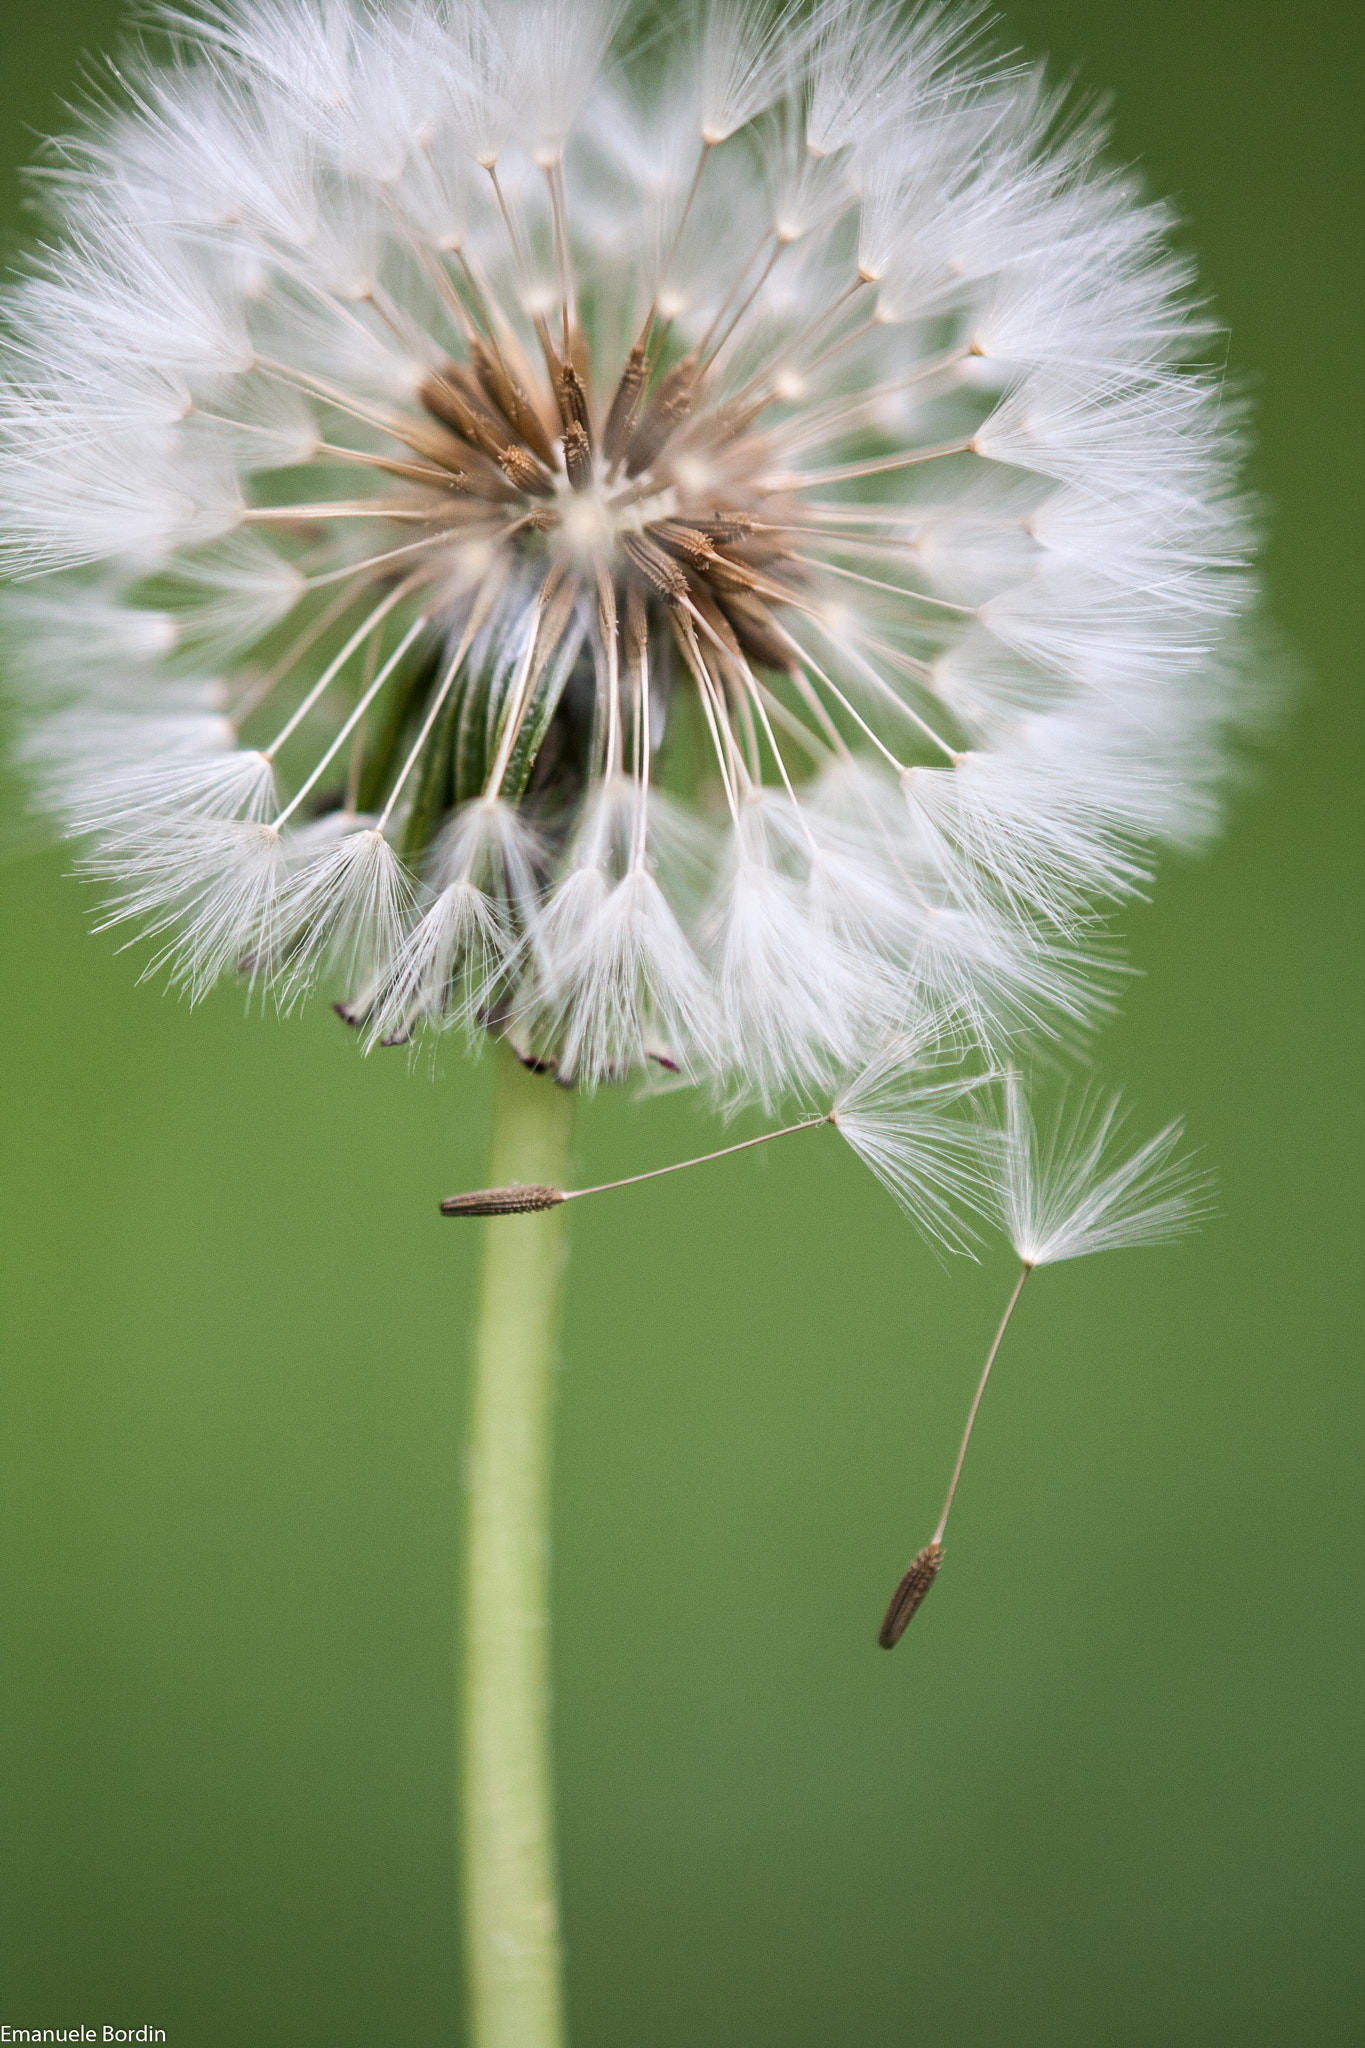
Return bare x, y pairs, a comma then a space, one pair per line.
1024, 1272
511, 1910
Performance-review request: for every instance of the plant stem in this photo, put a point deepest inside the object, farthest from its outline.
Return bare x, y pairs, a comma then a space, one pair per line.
511, 1911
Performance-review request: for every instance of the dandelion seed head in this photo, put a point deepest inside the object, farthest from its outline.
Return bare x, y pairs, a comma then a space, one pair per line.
693, 555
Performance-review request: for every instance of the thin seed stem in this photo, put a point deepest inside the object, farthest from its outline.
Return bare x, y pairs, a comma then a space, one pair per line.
479, 613
693, 189
880, 683
840, 413
735, 658
723, 309
817, 749
444, 284
559, 214
808, 662
637, 657
263, 685
358, 737
844, 341
353, 721
607, 626
355, 570
764, 275
691, 654
1024, 1272
335, 666
968, 611
849, 472
803, 334
356, 508
512, 235
810, 1123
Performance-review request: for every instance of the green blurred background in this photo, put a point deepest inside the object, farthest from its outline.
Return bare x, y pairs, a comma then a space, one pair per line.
1106, 1792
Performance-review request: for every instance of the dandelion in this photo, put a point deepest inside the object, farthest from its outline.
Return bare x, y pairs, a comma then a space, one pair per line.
438, 429
1062, 1195
688, 552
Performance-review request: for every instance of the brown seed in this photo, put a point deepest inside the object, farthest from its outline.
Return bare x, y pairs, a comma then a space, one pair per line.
445, 401
684, 542
672, 403
573, 399
472, 428
511, 401
721, 527
908, 1595
752, 624
726, 575
653, 564
460, 378
622, 415
577, 457
525, 472
513, 1201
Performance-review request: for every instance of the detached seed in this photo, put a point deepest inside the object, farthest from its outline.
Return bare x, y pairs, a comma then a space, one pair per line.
513, 1201
909, 1593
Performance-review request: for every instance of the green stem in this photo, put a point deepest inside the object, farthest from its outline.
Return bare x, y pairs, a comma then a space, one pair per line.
511, 1913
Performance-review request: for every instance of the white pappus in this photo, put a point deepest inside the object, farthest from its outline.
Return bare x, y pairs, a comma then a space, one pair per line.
692, 551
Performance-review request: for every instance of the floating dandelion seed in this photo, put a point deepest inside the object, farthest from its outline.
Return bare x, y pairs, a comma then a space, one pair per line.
1063, 1196
894, 1115
421, 416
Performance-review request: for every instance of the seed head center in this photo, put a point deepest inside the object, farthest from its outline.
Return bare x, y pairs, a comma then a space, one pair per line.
593, 520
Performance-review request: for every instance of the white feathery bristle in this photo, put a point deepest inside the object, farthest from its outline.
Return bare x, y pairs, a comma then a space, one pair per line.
78, 759
746, 54
632, 987
561, 50
230, 595
789, 991
212, 884
497, 849
235, 783
1010, 982
81, 500
342, 914
903, 1128
1063, 1194
60, 634
870, 67
447, 969
1038, 839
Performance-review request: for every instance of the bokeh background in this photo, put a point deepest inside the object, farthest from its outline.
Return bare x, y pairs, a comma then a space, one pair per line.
1107, 1790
